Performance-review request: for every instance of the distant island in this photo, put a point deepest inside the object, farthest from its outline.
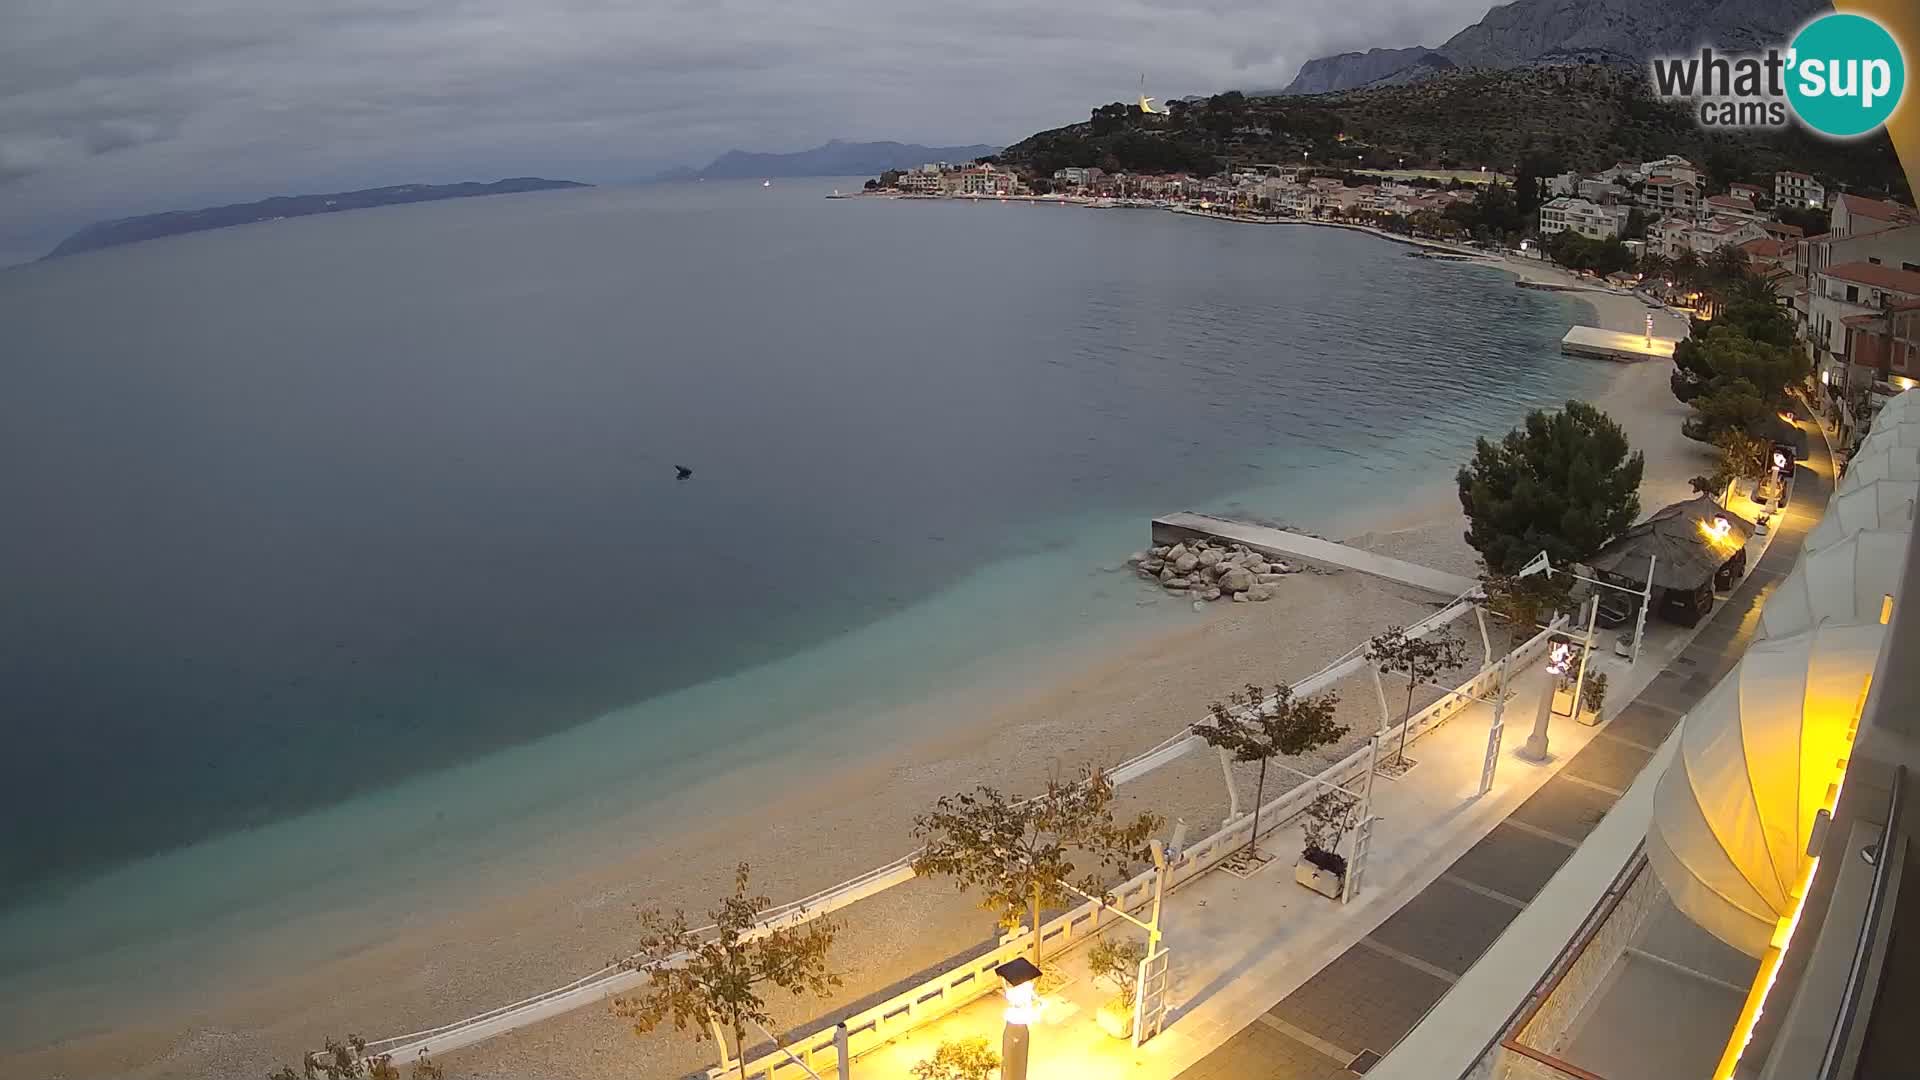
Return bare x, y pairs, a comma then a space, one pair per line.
132, 230
834, 158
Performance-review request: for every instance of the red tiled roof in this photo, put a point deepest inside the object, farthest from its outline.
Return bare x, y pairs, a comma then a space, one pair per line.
1784, 229
1734, 201
1876, 209
1880, 277
1766, 248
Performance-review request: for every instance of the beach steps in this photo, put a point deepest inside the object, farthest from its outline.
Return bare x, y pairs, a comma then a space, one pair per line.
1293, 546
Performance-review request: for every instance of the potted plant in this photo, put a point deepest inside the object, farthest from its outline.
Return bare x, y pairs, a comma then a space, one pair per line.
960, 1059
1594, 697
1321, 867
1118, 962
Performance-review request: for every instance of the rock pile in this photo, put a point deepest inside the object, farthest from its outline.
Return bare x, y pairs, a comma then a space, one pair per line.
1209, 570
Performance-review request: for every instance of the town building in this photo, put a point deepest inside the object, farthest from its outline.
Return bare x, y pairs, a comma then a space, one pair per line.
1853, 215
1730, 206
1671, 195
1887, 344
1798, 189
1673, 165
1842, 292
1075, 176
1586, 218
1753, 193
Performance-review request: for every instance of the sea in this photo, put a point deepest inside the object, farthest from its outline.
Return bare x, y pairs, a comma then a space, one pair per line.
343, 553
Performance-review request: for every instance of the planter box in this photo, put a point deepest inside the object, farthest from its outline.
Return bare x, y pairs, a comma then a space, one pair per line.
1325, 882
1116, 1019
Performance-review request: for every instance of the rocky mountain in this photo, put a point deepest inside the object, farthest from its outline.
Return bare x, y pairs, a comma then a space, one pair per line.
1634, 29
1558, 31
132, 230
835, 158
1347, 70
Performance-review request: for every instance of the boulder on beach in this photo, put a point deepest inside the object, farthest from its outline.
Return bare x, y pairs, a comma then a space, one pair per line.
1186, 561
1269, 579
1153, 566
1256, 567
1137, 558
1209, 557
1241, 598
1210, 594
1167, 574
1236, 580
1175, 552
1258, 592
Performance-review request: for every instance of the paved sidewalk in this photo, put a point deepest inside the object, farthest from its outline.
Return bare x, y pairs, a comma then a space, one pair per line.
1354, 1010
1236, 942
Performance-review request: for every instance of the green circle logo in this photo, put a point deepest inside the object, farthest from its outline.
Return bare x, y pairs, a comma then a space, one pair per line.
1846, 75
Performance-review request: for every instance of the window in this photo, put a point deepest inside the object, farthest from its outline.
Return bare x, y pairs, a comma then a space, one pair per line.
1853, 294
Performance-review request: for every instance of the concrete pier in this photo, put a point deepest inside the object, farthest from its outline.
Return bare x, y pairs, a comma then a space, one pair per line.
1615, 345
1299, 547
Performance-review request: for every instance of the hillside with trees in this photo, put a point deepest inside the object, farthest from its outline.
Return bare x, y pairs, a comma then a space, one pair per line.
1541, 120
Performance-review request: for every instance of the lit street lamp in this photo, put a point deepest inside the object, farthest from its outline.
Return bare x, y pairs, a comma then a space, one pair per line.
1019, 974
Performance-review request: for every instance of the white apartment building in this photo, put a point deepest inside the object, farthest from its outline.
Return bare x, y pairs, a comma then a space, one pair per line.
1672, 165
1586, 218
1671, 195
1798, 189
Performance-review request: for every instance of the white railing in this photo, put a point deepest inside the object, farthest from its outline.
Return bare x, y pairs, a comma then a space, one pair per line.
615, 979
973, 979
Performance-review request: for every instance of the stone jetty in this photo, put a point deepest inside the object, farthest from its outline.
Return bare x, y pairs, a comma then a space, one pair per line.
1206, 570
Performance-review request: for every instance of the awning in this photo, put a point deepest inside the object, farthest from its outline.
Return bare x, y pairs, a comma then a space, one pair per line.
1687, 542
1880, 461
1881, 504
1758, 755
1845, 582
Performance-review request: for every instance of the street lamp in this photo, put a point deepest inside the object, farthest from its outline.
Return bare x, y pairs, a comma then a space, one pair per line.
1019, 975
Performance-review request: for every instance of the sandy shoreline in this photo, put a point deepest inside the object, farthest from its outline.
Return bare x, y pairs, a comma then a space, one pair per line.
1099, 700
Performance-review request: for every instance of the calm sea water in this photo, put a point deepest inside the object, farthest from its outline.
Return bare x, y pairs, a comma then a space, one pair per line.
376, 514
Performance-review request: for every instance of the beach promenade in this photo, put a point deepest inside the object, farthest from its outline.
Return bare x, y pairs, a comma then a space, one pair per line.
1272, 982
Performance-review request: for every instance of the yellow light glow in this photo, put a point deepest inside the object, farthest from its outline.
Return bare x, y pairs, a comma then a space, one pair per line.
1886, 609
1022, 1007
1783, 930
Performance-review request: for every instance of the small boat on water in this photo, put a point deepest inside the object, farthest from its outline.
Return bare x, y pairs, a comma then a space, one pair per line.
766, 183
836, 193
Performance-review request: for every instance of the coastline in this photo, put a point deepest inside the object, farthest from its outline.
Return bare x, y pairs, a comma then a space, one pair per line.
1098, 699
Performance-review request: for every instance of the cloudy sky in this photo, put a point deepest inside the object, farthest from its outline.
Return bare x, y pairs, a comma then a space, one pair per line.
111, 107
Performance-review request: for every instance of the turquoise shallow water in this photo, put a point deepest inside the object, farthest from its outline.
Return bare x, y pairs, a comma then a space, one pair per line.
358, 560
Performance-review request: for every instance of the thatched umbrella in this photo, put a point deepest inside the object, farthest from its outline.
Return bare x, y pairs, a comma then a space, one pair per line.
1690, 542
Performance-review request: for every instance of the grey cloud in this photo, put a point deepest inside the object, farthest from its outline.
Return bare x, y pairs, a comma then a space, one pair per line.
119, 106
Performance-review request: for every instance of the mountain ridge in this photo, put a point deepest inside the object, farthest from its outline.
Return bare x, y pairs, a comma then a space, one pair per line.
132, 230
1545, 31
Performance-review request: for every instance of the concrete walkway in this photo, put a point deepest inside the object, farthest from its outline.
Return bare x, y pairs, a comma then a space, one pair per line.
1237, 942
1353, 1011
1284, 544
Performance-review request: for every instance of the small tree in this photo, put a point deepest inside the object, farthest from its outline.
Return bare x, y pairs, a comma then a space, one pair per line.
1418, 660
346, 1059
1564, 483
960, 1059
1020, 853
1324, 825
1741, 457
1118, 959
701, 977
1527, 603
1252, 728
